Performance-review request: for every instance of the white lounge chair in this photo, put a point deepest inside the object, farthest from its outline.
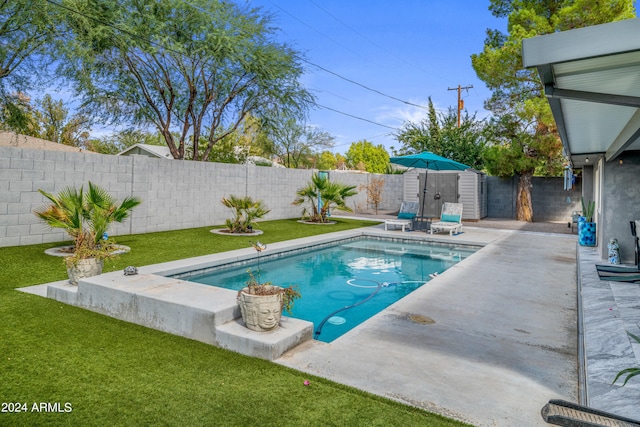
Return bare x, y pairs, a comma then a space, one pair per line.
408, 210
450, 219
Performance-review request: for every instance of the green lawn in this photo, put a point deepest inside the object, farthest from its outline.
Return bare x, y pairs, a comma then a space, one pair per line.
116, 373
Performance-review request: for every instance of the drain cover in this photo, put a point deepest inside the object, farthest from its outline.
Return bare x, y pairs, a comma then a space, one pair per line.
419, 318
336, 320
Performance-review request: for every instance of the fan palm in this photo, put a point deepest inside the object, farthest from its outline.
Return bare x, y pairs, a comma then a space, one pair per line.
329, 195
246, 212
85, 216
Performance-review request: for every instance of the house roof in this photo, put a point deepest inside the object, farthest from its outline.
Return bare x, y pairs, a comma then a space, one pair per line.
12, 139
159, 151
592, 82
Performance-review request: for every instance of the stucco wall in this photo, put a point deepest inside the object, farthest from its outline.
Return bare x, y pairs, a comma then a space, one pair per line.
620, 204
175, 194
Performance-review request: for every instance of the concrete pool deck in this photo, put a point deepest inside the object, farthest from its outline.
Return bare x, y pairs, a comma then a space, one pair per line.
531, 322
499, 340
492, 339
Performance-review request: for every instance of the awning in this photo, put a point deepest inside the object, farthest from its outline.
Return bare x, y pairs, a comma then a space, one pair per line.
592, 82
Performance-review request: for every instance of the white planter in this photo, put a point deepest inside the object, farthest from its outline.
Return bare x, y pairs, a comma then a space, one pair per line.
87, 267
261, 312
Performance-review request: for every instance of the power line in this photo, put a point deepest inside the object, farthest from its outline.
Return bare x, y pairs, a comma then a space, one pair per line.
371, 41
363, 86
323, 68
356, 117
152, 43
314, 29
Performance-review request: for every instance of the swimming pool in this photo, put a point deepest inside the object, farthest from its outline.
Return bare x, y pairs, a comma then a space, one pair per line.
343, 284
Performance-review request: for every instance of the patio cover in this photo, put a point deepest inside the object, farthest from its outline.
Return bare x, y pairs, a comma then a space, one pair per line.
592, 81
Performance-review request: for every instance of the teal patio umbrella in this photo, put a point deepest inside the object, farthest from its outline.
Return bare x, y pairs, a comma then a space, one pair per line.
429, 161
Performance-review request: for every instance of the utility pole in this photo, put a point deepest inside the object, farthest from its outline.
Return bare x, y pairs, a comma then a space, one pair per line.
460, 100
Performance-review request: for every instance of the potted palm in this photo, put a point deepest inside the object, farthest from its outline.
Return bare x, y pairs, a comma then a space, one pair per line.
86, 217
262, 303
323, 195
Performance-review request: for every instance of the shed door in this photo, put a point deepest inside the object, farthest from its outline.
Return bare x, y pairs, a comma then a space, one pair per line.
441, 187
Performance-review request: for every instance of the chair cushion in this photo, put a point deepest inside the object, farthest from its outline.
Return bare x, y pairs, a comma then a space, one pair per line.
406, 215
450, 218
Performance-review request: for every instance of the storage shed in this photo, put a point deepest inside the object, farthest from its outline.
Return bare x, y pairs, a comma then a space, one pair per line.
472, 190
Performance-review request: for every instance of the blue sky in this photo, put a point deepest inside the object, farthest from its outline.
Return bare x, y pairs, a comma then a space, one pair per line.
407, 49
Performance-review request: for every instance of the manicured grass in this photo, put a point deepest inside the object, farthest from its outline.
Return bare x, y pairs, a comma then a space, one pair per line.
116, 373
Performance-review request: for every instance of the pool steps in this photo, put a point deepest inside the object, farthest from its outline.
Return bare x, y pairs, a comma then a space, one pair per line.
203, 313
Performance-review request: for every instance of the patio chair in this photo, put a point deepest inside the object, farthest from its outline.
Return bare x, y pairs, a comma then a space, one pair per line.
450, 219
408, 210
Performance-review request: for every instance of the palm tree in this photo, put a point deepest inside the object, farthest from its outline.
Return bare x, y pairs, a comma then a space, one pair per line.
329, 195
85, 216
246, 212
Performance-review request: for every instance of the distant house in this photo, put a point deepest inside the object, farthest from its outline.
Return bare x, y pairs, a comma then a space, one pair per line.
156, 151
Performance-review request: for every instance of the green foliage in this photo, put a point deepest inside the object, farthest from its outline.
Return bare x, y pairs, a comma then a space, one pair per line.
328, 160
629, 372
27, 30
332, 194
289, 293
85, 216
363, 155
193, 70
295, 143
588, 209
245, 213
524, 133
440, 134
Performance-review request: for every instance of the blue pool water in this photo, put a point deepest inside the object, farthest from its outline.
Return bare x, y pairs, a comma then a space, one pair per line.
368, 274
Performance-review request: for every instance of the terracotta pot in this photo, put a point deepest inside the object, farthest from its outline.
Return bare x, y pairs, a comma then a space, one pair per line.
87, 267
261, 312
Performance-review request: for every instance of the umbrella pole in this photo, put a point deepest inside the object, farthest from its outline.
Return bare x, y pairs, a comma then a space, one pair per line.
424, 192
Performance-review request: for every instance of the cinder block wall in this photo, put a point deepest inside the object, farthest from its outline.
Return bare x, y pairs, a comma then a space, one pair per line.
549, 198
501, 197
184, 194
551, 202
175, 194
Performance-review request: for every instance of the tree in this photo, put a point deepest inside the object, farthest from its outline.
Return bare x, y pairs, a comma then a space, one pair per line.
440, 134
26, 29
48, 119
197, 68
295, 143
248, 139
527, 141
326, 160
332, 194
54, 123
374, 189
363, 155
